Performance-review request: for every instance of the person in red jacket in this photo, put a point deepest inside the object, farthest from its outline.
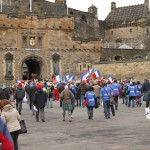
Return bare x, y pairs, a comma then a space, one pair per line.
56, 94
6, 142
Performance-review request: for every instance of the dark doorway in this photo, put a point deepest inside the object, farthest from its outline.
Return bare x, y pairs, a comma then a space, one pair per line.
31, 69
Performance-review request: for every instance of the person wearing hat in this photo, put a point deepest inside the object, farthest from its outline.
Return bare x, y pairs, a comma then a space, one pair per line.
39, 101
4, 94
11, 117
19, 95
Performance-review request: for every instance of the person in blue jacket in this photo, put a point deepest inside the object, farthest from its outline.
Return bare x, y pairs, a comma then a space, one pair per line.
105, 95
138, 94
91, 97
132, 94
116, 90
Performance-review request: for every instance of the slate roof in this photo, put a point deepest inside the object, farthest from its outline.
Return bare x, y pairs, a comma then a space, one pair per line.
125, 14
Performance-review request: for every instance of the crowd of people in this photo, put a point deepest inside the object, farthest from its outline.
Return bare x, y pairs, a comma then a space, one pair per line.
41, 94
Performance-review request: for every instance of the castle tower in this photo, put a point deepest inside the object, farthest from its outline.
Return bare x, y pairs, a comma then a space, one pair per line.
60, 1
93, 10
113, 6
146, 4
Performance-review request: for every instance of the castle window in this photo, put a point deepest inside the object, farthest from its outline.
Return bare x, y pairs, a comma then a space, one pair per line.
83, 18
112, 32
84, 65
130, 30
147, 31
80, 68
40, 41
88, 67
71, 13
24, 41
138, 57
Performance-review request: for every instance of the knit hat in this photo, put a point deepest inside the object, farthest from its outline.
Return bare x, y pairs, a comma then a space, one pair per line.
20, 84
39, 86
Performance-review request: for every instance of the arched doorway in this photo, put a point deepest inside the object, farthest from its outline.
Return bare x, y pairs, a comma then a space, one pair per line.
31, 68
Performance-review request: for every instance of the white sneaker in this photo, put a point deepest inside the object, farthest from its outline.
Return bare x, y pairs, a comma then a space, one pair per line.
71, 116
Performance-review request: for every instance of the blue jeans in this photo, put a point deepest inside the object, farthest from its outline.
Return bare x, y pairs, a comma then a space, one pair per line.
82, 100
106, 105
131, 99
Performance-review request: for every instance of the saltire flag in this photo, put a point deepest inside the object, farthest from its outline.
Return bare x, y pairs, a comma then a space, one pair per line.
110, 79
73, 78
57, 78
5, 137
66, 79
91, 71
85, 75
96, 74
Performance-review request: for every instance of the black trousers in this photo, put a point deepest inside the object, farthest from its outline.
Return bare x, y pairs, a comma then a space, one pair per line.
147, 103
116, 102
112, 109
14, 136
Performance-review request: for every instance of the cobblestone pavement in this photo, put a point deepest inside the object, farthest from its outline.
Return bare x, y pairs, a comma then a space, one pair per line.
128, 130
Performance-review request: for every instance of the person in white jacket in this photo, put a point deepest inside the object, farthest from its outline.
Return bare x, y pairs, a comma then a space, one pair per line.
11, 117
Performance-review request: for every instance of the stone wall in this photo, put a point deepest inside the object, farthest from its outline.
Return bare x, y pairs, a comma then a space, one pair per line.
121, 70
129, 35
56, 39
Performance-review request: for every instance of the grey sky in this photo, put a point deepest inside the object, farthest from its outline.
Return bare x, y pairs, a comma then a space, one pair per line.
102, 5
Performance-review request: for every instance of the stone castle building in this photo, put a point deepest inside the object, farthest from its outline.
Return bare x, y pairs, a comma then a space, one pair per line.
124, 54
42, 39
45, 39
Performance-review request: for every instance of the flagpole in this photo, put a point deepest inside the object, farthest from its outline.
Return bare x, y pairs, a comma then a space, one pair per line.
1, 6
30, 5
67, 7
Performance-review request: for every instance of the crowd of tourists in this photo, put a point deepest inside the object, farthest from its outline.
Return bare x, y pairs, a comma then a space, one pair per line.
41, 94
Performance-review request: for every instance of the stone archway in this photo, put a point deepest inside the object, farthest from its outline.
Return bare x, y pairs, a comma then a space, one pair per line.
32, 68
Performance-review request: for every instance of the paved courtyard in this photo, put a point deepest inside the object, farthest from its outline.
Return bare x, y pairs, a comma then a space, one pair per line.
128, 130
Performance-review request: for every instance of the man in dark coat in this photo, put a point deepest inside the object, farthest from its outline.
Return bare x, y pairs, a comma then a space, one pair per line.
83, 89
4, 94
60, 89
32, 91
145, 89
19, 95
39, 102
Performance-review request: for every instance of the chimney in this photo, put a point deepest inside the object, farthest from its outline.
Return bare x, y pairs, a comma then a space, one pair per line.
113, 6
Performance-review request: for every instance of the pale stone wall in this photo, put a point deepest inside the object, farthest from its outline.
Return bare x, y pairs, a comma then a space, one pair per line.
121, 70
130, 35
